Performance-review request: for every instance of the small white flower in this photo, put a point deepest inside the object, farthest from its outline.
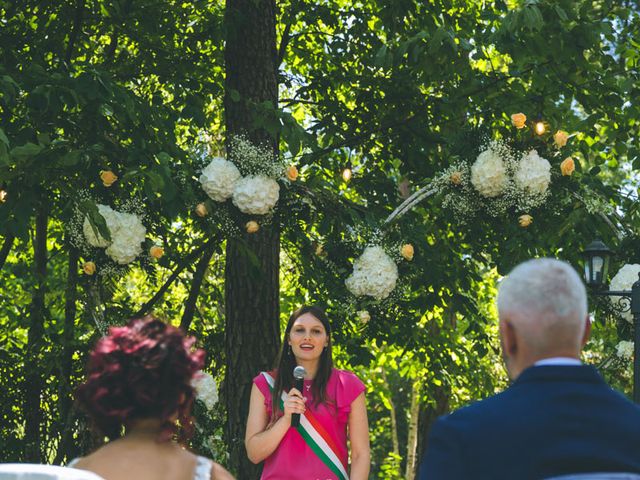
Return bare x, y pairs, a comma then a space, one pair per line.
219, 178
364, 316
206, 389
489, 174
624, 280
533, 173
624, 350
256, 195
374, 274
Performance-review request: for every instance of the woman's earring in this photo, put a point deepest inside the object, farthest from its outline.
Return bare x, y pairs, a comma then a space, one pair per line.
289, 350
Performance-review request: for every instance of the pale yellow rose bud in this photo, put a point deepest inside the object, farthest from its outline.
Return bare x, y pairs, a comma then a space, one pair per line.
108, 177
156, 252
292, 173
201, 210
3, 196
525, 220
456, 178
407, 251
252, 226
364, 317
319, 250
560, 138
567, 166
89, 268
519, 120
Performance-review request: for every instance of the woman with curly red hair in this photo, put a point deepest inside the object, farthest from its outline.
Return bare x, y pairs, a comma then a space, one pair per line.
138, 392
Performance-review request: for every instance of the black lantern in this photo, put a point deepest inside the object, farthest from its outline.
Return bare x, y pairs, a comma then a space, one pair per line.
596, 263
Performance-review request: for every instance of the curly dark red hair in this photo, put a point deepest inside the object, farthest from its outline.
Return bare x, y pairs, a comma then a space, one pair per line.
142, 370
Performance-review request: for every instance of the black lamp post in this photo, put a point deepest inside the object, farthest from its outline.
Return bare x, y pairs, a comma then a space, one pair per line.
596, 265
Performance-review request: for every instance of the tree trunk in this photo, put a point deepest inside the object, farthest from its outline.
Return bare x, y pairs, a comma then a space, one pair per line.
251, 291
196, 284
65, 393
412, 436
441, 396
394, 418
6, 248
33, 364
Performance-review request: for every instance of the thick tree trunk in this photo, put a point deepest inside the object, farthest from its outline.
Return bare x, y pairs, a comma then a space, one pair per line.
33, 365
251, 292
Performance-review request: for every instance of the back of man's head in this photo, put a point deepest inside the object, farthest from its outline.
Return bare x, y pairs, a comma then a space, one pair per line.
544, 302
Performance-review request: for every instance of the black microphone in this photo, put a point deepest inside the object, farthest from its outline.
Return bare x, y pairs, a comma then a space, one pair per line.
298, 382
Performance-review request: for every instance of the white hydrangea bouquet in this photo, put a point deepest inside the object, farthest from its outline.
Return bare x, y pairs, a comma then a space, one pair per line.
249, 178
623, 281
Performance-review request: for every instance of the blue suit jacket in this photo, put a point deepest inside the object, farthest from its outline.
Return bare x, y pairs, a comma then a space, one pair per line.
552, 420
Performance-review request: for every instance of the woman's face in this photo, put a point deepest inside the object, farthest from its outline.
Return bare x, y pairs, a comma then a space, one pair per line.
308, 337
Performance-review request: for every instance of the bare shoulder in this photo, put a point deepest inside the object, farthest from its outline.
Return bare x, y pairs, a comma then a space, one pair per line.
218, 472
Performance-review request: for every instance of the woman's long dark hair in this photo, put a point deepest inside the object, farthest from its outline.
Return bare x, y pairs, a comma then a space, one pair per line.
286, 361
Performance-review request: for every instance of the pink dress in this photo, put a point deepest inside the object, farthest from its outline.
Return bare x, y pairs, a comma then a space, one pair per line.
294, 459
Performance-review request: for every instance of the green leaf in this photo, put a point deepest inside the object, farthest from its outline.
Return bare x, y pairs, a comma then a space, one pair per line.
27, 150
3, 138
234, 95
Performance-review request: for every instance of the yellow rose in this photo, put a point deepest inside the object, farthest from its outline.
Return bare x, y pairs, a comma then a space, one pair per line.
525, 220
456, 178
3, 196
156, 252
201, 210
560, 138
319, 250
89, 268
252, 227
364, 316
407, 251
292, 173
108, 177
567, 166
519, 120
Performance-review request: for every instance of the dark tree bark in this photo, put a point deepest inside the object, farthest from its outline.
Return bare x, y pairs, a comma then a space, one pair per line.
65, 391
6, 248
251, 292
33, 365
196, 284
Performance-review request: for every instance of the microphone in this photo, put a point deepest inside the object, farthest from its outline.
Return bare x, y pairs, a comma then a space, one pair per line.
298, 377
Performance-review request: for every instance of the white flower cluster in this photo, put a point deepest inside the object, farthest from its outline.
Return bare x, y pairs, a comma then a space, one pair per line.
533, 174
624, 280
257, 192
624, 350
127, 235
206, 389
219, 178
489, 174
374, 274
256, 195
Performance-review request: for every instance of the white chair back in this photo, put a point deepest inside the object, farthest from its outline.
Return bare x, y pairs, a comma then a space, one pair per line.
29, 471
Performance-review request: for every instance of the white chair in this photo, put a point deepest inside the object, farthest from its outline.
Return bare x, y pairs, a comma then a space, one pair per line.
30, 471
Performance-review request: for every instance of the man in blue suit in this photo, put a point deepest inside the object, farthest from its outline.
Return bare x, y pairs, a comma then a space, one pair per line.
558, 417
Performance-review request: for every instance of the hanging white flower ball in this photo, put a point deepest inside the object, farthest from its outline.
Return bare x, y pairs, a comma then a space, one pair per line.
624, 350
256, 195
374, 274
624, 280
489, 174
127, 239
533, 173
206, 389
219, 178
111, 218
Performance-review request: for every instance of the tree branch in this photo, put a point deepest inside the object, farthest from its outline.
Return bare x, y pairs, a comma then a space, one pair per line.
176, 273
196, 284
73, 36
6, 248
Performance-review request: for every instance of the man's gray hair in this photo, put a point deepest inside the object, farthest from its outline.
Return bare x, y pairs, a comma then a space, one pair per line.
547, 297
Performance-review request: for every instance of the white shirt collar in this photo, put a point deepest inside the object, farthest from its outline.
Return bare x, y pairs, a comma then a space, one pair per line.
558, 361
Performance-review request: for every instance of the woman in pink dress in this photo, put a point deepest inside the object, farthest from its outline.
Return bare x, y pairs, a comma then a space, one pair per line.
331, 406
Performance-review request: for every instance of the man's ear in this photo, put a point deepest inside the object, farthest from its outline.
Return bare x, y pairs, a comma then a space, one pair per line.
509, 339
587, 331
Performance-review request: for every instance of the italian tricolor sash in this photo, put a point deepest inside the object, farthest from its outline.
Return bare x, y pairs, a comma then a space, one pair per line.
315, 435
